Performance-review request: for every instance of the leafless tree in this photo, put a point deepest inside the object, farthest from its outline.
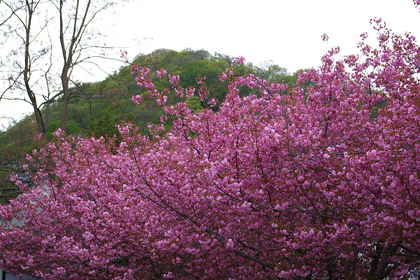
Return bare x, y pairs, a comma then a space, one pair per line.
46, 40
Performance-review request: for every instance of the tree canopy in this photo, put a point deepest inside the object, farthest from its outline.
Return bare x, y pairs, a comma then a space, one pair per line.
315, 181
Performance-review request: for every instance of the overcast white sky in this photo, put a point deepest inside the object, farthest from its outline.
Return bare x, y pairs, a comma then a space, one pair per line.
286, 32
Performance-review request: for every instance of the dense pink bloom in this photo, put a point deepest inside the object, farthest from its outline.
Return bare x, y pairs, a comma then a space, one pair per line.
317, 181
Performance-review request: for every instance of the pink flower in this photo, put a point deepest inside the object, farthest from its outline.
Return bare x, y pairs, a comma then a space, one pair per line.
123, 54
240, 60
163, 118
190, 92
364, 35
222, 77
161, 74
136, 99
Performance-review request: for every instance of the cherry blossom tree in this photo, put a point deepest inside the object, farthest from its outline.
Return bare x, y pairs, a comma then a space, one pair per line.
318, 182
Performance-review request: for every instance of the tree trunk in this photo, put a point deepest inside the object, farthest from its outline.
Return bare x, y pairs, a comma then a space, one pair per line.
66, 100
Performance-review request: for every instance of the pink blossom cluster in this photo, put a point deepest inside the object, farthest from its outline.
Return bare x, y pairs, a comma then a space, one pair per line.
240, 60
416, 3
318, 181
123, 54
161, 74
